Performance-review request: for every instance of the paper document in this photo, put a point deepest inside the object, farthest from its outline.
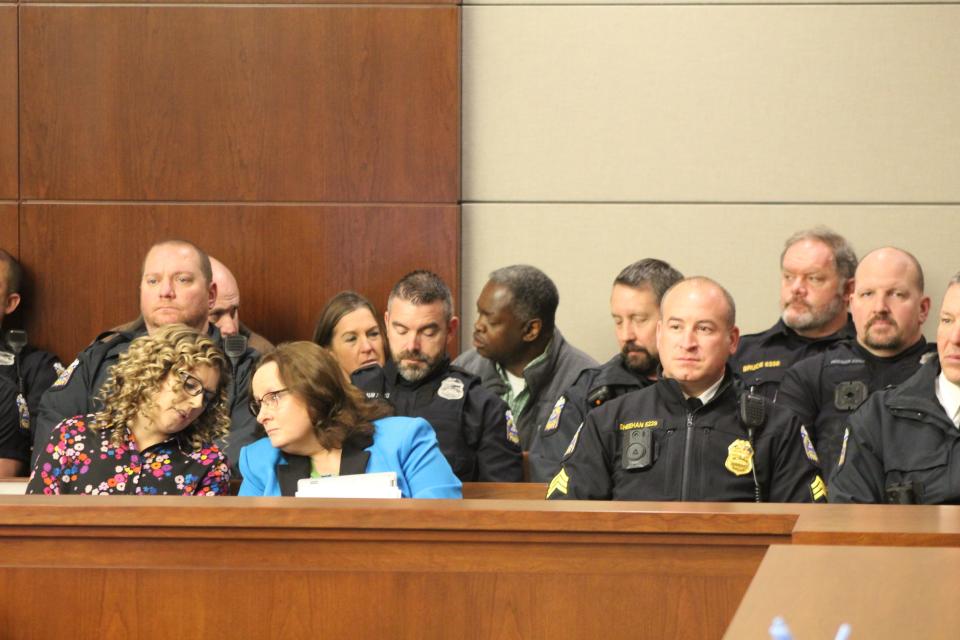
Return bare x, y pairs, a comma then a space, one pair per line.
365, 485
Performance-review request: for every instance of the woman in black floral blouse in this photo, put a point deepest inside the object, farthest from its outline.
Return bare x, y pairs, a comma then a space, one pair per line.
163, 407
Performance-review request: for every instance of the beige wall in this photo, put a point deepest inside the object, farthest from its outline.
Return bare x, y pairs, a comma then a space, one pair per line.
594, 135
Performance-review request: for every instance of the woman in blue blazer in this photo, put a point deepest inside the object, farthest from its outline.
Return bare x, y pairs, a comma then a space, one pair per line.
318, 425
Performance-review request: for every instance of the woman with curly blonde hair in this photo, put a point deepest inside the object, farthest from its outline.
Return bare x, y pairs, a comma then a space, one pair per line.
163, 406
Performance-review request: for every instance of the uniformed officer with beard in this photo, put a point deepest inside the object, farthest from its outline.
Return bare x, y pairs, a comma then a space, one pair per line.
816, 280
474, 428
695, 434
635, 308
889, 309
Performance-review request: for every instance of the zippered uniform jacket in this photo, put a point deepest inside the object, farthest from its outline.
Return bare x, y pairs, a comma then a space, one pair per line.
703, 454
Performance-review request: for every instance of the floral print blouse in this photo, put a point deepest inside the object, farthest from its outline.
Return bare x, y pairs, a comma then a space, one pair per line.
79, 459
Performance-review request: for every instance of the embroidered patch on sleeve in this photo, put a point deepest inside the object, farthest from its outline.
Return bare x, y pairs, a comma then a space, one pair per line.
512, 434
573, 443
554, 420
818, 489
559, 483
808, 445
64, 376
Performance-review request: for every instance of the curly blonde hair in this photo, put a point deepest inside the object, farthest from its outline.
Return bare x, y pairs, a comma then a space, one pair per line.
142, 370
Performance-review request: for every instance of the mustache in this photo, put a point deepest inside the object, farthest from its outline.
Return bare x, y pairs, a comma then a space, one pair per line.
633, 347
413, 355
886, 317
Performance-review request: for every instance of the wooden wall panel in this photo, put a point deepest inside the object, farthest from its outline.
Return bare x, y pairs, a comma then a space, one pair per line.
9, 238
8, 102
288, 259
333, 104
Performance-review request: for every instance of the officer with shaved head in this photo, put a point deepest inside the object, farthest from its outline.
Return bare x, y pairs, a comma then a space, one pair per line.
889, 308
694, 435
899, 446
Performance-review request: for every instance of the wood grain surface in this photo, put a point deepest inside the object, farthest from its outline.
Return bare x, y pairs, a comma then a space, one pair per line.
288, 260
882, 592
9, 188
225, 104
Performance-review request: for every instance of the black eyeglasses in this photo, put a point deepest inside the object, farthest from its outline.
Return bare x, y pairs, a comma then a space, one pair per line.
271, 399
193, 386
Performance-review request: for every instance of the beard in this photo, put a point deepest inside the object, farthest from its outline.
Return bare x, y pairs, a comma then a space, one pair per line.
412, 372
811, 319
890, 342
638, 359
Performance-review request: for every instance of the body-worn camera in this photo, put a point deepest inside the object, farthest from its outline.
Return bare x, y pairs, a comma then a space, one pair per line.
637, 447
850, 395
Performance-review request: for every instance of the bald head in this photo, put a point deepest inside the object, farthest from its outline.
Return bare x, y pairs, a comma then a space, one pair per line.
888, 304
226, 308
697, 333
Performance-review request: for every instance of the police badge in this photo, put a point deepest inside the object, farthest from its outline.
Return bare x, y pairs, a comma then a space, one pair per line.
739, 457
451, 389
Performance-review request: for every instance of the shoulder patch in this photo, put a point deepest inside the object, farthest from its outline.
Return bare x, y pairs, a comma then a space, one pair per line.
451, 389
559, 483
7, 358
808, 445
843, 447
554, 420
573, 443
65, 375
512, 434
24, 412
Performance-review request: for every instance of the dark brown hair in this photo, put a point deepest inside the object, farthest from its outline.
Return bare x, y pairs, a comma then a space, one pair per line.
338, 306
339, 411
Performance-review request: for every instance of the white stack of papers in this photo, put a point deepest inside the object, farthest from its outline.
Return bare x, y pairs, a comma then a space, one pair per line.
366, 485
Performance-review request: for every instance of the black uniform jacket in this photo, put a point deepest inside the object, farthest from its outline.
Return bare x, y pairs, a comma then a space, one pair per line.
14, 440
705, 454
593, 387
470, 422
824, 390
74, 391
763, 358
31, 373
901, 436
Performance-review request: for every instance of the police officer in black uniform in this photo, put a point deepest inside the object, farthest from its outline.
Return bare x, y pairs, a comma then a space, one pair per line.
694, 435
175, 287
635, 307
889, 309
25, 369
817, 268
903, 445
474, 429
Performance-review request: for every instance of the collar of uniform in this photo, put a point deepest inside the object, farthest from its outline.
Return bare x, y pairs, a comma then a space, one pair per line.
948, 394
916, 350
615, 372
709, 393
675, 396
781, 331
918, 392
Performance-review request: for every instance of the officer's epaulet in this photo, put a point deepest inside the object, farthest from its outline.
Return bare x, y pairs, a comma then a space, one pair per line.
460, 371
371, 380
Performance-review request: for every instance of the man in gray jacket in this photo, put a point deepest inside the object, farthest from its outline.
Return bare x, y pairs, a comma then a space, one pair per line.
518, 352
